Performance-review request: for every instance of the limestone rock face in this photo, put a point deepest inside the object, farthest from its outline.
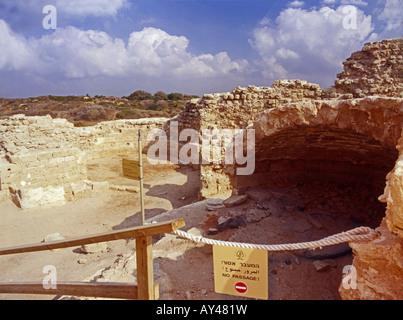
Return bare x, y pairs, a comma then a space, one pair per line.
393, 195
379, 267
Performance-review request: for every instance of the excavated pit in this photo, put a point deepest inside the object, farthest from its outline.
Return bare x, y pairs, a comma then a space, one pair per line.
324, 171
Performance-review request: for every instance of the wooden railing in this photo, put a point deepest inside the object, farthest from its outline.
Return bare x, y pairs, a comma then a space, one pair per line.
145, 288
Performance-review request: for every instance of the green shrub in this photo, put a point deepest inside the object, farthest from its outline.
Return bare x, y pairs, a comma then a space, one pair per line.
140, 95
160, 95
175, 96
152, 107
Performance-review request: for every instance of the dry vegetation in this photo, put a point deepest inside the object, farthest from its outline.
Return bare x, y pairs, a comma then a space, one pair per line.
87, 110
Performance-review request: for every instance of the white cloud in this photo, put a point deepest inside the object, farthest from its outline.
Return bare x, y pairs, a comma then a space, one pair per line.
14, 50
296, 3
73, 53
155, 52
392, 16
283, 53
308, 44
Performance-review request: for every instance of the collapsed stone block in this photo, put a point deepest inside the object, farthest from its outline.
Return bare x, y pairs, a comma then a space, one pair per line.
95, 248
39, 197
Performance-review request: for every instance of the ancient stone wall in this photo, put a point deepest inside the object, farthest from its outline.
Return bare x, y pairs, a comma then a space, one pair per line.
375, 70
43, 160
238, 109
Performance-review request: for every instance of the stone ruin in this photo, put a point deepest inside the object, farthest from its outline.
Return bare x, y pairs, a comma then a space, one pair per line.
43, 161
346, 141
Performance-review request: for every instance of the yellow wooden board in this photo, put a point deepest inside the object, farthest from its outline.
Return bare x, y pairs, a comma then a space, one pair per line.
131, 169
241, 272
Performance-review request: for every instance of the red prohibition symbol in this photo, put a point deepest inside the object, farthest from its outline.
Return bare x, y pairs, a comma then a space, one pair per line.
241, 287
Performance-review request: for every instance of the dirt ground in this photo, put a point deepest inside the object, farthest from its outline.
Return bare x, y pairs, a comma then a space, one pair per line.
183, 269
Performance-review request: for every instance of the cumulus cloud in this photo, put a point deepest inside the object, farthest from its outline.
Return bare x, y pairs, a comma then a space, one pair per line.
296, 3
391, 16
74, 53
14, 49
153, 51
308, 44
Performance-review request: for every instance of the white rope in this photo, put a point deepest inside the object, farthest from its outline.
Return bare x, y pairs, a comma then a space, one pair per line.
357, 234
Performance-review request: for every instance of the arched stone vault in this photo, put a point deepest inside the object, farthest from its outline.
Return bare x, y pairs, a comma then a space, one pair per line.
376, 117
340, 140
350, 142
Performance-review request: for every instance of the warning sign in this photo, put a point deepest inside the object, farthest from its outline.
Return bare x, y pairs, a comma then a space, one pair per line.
241, 287
241, 272
131, 169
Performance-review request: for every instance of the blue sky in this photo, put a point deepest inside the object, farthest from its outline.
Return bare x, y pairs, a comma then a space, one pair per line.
114, 47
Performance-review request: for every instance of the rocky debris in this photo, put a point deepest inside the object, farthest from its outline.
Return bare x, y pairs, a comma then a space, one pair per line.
234, 218
330, 252
225, 222
53, 237
85, 187
173, 247
255, 215
215, 204
298, 226
94, 248
263, 206
259, 195
212, 231
324, 265
315, 222
131, 189
82, 261
235, 200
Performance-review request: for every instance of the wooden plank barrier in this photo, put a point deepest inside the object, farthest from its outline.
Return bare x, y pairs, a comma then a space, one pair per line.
145, 288
90, 289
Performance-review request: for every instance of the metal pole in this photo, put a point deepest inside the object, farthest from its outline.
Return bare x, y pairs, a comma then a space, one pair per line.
141, 181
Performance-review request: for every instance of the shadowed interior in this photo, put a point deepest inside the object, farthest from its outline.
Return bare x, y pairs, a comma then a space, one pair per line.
334, 170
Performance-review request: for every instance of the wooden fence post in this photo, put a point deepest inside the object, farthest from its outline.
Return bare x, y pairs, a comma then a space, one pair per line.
145, 274
145, 289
